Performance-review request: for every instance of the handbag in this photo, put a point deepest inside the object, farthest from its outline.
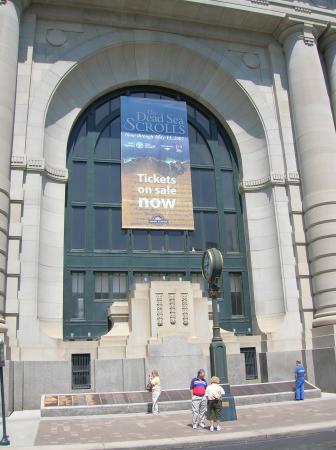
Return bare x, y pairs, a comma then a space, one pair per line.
149, 386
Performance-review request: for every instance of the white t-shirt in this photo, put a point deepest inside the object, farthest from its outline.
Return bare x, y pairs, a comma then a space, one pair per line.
156, 386
214, 392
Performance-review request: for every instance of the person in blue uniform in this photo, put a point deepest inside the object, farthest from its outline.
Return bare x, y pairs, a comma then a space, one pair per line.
299, 380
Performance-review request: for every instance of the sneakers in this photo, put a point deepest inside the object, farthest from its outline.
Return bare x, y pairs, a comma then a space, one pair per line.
202, 425
194, 426
218, 428
211, 428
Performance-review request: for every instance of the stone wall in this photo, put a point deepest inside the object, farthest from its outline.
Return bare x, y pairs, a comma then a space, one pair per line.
61, 85
27, 381
241, 76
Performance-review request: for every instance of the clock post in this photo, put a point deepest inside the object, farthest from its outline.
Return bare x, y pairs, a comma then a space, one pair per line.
217, 346
212, 268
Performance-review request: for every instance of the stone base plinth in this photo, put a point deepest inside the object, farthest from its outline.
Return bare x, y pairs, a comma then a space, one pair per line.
170, 400
324, 357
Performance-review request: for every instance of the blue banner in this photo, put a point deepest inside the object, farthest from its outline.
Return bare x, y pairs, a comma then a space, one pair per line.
155, 164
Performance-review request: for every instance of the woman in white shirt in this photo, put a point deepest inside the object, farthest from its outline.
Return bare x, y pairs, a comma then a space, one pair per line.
156, 390
214, 393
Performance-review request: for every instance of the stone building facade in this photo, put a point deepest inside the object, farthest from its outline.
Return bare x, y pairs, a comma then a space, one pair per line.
265, 73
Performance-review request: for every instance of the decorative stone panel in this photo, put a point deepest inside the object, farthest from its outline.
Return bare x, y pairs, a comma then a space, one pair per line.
159, 310
172, 309
185, 312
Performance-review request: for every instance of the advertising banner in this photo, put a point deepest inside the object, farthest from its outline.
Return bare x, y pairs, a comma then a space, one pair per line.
155, 165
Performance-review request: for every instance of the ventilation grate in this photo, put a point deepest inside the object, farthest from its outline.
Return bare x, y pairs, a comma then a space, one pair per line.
81, 371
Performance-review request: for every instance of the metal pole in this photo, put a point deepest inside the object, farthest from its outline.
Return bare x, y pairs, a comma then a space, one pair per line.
214, 292
217, 346
218, 358
4, 440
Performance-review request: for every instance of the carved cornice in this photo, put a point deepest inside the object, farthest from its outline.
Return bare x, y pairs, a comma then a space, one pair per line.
307, 32
253, 15
39, 165
260, 2
302, 9
18, 162
274, 179
302, 6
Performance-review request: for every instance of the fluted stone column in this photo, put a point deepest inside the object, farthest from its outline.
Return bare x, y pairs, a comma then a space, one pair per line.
328, 46
9, 43
316, 147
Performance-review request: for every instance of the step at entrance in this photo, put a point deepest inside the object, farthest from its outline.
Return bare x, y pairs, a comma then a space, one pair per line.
53, 405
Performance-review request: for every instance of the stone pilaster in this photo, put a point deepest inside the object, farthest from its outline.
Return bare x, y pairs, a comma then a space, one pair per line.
10, 12
328, 47
315, 139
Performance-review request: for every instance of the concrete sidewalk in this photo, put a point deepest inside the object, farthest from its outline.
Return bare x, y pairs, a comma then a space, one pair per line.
258, 422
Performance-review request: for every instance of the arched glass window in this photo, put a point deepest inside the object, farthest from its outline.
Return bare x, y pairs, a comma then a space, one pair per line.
103, 261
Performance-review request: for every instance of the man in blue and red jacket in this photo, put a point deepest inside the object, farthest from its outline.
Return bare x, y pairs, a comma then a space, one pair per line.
198, 386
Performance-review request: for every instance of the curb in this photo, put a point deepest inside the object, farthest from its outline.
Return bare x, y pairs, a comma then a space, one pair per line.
194, 442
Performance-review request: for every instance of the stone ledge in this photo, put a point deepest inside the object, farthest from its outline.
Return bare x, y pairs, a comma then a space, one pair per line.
280, 393
39, 165
274, 179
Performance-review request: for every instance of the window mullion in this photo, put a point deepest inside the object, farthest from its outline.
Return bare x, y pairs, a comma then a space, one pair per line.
110, 285
240, 223
227, 308
219, 194
109, 238
90, 226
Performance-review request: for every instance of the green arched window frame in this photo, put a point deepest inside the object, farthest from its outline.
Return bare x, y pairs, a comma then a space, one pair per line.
102, 261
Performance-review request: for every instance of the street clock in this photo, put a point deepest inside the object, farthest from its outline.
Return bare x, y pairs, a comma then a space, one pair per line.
212, 264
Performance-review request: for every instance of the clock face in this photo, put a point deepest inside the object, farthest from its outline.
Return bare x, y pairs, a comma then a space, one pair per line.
206, 266
212, 264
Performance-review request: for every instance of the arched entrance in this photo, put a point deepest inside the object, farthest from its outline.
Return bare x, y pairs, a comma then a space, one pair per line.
103, 261
238, 104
